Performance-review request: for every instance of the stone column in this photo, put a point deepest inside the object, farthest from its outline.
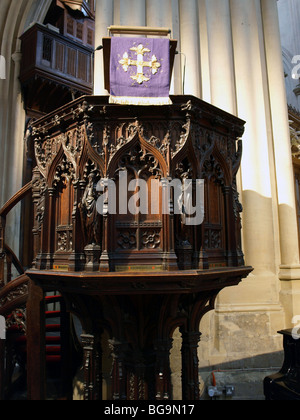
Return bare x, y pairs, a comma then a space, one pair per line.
13, 153
259, 221
133, 12
159, 13
204, 53
165, 14
258, 295
220, 51
103, 19
289, 247
190, 46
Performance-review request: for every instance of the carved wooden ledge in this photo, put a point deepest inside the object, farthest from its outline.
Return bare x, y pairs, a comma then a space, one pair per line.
140, 312
163, 282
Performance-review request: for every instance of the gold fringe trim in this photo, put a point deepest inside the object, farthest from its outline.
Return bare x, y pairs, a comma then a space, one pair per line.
132, 100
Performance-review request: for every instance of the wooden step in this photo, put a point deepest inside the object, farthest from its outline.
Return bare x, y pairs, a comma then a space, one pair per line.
53, 340
51, 350
53, 299
53, 359
52, 314
53, 328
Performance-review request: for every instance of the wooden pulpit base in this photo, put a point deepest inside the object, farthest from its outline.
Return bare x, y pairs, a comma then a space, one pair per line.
132, 276
140, 311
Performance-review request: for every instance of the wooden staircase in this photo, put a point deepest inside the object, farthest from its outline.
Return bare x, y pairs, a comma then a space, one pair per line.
53, 332
57, 322
59, 345
14, 297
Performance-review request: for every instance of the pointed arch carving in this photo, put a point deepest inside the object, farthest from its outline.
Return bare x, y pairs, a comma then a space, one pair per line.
47, 152
147, 148
55, 167
89, 153
99, 141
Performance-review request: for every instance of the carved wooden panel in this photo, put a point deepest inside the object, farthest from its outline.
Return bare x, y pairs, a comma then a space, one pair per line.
91, 141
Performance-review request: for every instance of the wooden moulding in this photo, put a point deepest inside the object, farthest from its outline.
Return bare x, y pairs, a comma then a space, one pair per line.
192, 281
138, 30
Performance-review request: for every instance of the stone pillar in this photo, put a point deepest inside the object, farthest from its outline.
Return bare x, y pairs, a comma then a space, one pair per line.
220, 52
204, 53
133, 12
190, 46
13, 153
165, 14
281, 136
159, 13
257, 298
259, 221
289, 247
103, 19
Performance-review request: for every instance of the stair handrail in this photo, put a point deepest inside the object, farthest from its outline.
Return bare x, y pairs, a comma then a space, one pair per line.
5, 251
14, 200
14, 295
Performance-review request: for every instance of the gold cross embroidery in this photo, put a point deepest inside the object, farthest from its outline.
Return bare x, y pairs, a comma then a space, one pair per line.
140, 63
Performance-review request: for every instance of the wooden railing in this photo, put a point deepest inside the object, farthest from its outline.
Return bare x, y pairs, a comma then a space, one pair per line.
13, 293
8, 259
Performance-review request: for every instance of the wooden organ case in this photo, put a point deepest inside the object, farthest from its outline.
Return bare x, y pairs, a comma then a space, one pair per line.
136, 277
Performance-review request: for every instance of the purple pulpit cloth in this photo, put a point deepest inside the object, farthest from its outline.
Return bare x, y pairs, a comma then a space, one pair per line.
140, 71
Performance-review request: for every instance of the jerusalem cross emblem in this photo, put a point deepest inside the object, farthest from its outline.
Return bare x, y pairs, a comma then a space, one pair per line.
140, 63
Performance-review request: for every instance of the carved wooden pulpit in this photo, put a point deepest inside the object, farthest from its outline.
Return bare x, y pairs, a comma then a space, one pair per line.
137, 277
134, 276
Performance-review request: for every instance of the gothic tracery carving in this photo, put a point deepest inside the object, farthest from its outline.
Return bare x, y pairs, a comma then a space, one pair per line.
91, 142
